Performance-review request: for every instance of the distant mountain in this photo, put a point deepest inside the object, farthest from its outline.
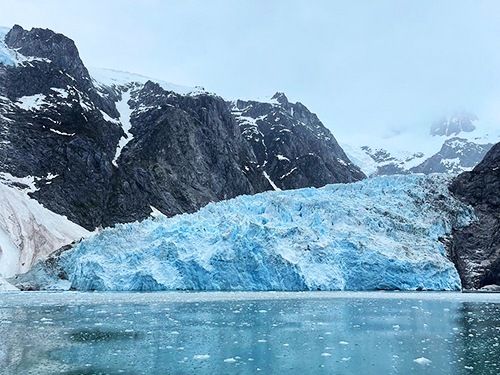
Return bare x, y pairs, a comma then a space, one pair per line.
441, 151
460, 121
456, 156
106, 147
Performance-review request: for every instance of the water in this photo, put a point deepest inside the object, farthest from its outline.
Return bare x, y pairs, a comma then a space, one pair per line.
249, 333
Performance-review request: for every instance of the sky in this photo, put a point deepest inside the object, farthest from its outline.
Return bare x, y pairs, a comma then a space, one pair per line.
385, 65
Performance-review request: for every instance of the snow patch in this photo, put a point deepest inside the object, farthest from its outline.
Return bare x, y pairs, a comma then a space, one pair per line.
61, 133
63, 93
32, 102
125, 113
281, 157
155, 212
271, 181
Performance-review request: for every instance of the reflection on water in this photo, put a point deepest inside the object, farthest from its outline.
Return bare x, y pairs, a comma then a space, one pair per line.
240, 333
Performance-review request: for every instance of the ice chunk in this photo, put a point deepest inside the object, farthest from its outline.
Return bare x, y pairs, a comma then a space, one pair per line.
422, 361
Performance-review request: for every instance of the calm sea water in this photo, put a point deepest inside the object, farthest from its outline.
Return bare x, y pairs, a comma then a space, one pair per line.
249, 333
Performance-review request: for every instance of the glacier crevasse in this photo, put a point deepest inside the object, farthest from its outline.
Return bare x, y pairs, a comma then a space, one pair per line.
381, 233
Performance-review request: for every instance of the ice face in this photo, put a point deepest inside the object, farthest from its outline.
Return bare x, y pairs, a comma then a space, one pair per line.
381, 233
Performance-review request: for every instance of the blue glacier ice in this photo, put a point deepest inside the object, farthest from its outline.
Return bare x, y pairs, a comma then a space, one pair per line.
7, 56
381, 233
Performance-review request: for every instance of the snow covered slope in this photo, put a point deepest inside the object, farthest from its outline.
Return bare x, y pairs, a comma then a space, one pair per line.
111, 77
28, 231
417, 150
381, 233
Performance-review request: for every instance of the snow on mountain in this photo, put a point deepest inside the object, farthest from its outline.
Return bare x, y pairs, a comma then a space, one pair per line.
381, 233
28, 231
111, 77
10, 56
400, 151
125, 112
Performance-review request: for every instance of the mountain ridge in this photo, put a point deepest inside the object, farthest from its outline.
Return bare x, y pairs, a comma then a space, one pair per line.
102, 154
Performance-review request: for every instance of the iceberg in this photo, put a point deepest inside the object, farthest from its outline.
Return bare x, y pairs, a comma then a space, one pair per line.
384, 233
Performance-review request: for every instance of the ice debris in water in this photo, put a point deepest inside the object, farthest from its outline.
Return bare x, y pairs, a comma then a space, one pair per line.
381, 233
422, 361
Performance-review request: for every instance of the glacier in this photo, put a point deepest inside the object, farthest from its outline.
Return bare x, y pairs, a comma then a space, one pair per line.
29, 232
384, 233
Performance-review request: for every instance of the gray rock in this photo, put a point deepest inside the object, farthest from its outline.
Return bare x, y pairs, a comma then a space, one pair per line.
186, 151
475, 249
456, 155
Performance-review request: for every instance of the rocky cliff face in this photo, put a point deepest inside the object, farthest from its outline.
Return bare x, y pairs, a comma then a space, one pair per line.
456, 155
104, 153
291, 145
476, 248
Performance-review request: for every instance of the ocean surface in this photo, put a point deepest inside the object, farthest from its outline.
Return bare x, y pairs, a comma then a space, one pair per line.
249, 333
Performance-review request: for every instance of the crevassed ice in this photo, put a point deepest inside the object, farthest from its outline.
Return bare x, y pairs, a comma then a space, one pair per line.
380, 233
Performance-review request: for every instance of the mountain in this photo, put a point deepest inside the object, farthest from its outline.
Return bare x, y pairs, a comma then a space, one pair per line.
440, 151
380, 233
475, 249
460, 121
291, 144
106, 147
456, 156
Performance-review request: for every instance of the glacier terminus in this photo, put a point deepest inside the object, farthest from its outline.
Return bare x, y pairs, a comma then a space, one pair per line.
384, 233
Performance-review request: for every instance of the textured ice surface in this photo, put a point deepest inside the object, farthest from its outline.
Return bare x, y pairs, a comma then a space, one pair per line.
381, 233
7, 56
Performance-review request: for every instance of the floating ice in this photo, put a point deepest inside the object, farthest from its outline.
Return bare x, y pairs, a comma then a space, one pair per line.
422, 361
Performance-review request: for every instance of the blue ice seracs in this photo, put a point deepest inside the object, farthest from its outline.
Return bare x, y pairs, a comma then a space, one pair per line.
381, 233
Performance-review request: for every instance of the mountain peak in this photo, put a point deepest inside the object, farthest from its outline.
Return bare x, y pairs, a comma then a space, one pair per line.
461, 120
281, 98
46, 44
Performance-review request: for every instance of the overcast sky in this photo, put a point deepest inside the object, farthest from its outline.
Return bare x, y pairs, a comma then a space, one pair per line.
359, 65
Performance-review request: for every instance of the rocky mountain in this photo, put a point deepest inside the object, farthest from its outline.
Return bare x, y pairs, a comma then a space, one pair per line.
113, 147
291, 144
456, 156
460, 121
476, 249
441, 151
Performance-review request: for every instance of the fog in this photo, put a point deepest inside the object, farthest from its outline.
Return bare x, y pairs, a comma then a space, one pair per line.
363, 66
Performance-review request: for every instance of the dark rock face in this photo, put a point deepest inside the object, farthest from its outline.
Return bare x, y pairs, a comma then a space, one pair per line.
476, 248
455, 156
460, 121
181, 151
291, 144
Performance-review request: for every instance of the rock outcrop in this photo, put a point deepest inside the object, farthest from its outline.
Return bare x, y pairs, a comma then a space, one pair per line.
476, 248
